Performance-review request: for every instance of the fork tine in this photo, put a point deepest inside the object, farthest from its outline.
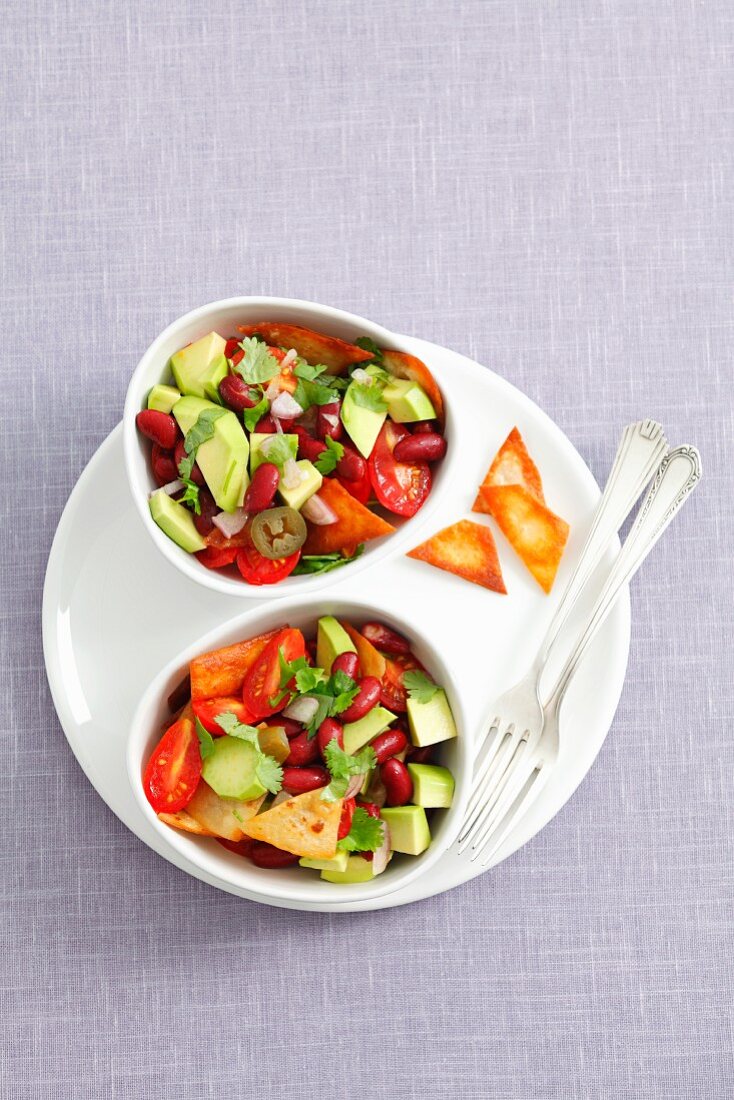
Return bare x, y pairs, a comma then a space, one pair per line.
527, 796
491, 789
507, 808
491, 764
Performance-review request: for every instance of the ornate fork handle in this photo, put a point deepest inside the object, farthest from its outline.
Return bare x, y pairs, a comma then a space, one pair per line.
677, 477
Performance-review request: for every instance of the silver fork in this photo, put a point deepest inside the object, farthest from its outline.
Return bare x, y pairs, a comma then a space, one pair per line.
520, 709
504, 790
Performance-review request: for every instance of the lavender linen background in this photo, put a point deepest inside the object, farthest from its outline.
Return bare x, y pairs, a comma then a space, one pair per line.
546, 187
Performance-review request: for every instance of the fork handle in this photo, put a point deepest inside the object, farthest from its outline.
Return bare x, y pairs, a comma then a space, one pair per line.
677, 477
640, 449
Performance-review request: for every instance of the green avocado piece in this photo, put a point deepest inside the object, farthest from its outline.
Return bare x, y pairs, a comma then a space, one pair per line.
256, 441
357, 870
431, 722
408, 825
357, 734
223, 458
433, 786
230, 769
407, 401
362, 424
338, 863
201, 366
163, 398
331, 640
312, 482
176, 522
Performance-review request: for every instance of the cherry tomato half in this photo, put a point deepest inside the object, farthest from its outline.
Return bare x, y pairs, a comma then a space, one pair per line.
392, 693
172, 773
257, 569
215, 558
208, 710
262, 683
399, 486
361, 489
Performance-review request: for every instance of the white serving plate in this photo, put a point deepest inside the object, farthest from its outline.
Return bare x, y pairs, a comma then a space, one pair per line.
115, 612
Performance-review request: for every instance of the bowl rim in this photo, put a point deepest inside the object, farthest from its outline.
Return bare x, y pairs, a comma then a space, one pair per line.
206, 859
140, 482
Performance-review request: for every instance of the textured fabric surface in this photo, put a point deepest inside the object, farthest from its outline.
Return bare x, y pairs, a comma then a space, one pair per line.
546, 187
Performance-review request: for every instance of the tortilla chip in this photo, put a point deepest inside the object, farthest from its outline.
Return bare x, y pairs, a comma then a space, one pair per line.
305, 825
467, 550
223, 671
536, 535
314, 347
512, 465
217, 815
403, 365
355, 523
185, 822
371, 661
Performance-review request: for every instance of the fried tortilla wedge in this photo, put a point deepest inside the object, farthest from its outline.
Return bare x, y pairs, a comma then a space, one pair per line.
305, 825
185, 823
221, 816
403, 365
535, 533
223, 671
512, 465
355, 523
466, 549
314, 347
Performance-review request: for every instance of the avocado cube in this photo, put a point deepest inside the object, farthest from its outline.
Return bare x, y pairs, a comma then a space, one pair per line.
163, 398
362, 424
176, 522
339, 863
331, 641
357, 734
231, 769
310, 484
201, 366
357, 870
431, 722
407, 401
433, 786
223, 458
408, 825
256, 454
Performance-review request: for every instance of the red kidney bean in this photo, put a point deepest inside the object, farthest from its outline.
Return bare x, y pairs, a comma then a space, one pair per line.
204, 523
164, 468
235, 393
351, 465
370, 808
366, 698
398, 784
345, 821
420, 448
266, 426
421, 756
385, 639
388, 744
196, 475
158, 426
330, 730
300, 780
311, 652
303, 751
308, 447
324, 427
262, 489
423, 427
266, 855
239, 847
347, 663
291, 727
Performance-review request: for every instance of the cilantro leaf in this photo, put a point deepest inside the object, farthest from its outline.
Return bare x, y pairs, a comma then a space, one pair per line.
344, 690
191, 494
254, 415
328, 459
368, 397
257, 364
232, 726
308, 678
419, 686
269, 773
314, 393
366, 343
304, 370
342, 767
323, 711
366, 833
197, 434
206, 741
267, 770
288, 669
278, 449
324, 563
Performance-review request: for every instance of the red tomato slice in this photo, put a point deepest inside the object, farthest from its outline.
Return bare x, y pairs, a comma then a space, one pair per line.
215, 558
208, 710
399, 486
232, 348
172, 773
392, 693
361, 490
262, 683
257, 569
345, 821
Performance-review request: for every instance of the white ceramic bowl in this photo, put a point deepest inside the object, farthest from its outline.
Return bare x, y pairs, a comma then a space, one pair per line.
223, 317
296, 884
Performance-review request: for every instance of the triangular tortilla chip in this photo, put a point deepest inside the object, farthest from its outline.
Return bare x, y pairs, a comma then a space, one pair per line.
223, 671
466, 549
371, 661
403, 365
512, 465
221, 816
355, 523
314, 347
305, 825
536, 535
185, 823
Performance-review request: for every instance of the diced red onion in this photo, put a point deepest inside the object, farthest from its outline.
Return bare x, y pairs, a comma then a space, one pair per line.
381, 857
285, 406
331, 419
355, 785
170, 489
362, 376
318, 511
302, 709
293, 475
230, 523
290, 356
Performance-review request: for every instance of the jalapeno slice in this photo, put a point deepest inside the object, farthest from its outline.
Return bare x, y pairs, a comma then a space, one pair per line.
278, 532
